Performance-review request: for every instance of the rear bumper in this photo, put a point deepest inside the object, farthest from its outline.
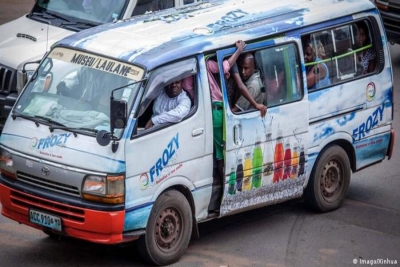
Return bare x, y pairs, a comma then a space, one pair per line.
104, 227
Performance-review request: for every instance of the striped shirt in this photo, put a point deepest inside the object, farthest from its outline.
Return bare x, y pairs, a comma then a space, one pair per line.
170, 109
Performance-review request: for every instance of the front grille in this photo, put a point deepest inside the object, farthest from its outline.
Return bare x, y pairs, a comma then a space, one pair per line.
58, 209
48, 184
391, 24
8, 80
391, 17
394, 7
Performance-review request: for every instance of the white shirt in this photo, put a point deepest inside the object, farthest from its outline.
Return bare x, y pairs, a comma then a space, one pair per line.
167, 109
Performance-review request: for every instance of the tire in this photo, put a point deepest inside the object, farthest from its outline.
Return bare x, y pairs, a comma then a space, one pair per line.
329, 180
168, 229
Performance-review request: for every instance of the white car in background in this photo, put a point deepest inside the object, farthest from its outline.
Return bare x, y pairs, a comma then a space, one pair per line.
390, 13
27, 39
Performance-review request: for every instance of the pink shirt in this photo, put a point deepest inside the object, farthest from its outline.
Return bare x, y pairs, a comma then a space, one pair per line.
212, 68
187, 84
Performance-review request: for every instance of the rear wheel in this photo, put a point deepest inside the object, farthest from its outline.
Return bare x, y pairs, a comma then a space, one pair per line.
168, 229
329, 180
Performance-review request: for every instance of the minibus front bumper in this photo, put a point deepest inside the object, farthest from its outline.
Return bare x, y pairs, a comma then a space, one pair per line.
105, 227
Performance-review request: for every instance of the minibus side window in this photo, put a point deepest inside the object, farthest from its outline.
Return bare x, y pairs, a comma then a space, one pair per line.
170, 96
280, 71
274, 81
335, 55
244, 77
367, 56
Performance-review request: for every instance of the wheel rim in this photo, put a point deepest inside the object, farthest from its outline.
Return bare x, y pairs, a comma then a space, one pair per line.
331, 181
168, 229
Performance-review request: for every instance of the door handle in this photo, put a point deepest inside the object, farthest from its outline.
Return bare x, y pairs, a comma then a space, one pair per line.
197, 132
237, 134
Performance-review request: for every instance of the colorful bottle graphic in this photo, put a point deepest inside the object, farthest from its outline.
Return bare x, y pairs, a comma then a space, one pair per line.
278, 158
232, 181
257, 164
302, 160
287, 163
268, 161
246, 186
295, 161
239, 174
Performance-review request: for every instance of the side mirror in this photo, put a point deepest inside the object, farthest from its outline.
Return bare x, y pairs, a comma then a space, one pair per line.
24, 77
118, 114
118, 117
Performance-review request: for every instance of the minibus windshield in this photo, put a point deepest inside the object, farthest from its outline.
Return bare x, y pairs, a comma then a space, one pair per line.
69, 12
73, 89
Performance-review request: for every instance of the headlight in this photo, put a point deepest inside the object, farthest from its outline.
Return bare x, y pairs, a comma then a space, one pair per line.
382, 6
6, 164
106, 189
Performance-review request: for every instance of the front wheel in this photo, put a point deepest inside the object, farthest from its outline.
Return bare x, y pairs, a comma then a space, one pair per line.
329, 180
168, 229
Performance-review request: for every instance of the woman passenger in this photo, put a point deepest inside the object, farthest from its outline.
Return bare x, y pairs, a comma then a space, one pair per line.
367, 56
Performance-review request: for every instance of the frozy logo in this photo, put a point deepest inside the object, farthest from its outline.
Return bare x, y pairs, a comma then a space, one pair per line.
50, 141
228, 19
166, 156
370, 123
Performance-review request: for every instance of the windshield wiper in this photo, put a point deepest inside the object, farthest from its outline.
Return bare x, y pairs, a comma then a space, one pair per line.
39, 17
35, 118
53, 124
17, 114
48, 15
49, 120
52, 15
79, 25
74, 130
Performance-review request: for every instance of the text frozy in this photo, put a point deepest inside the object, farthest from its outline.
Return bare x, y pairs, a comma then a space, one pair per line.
162, 161
370, 123
51, 141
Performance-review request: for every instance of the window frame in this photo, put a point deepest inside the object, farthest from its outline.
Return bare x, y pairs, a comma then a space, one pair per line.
376, 44
151, 90
265, 45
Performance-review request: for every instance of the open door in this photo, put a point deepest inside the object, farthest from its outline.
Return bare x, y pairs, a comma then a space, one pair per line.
264, 157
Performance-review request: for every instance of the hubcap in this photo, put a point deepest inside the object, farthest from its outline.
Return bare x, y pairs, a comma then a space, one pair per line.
168, 228
331, 181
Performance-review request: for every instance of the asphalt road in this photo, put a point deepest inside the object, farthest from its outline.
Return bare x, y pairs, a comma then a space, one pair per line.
12, 9
367, 227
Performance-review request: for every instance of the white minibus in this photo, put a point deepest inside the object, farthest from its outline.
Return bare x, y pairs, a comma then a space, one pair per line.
141, 129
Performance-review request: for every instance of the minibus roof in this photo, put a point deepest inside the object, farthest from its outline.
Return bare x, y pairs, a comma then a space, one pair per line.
160, 37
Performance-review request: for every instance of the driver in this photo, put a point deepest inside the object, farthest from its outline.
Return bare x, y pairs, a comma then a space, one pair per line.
172, 105
85, 87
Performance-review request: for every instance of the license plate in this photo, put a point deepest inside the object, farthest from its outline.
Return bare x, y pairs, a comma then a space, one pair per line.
45, 219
